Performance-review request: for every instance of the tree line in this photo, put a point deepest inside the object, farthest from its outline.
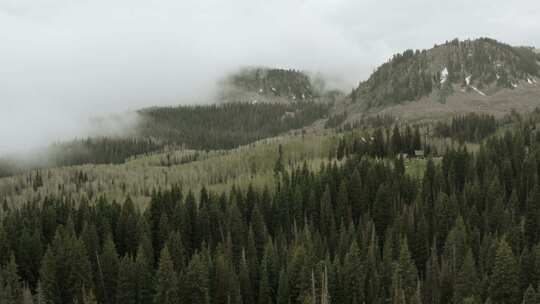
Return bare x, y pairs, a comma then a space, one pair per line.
205, 127
226, 126
471, 127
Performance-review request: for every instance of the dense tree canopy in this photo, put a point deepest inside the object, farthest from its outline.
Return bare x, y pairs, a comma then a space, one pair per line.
354, 231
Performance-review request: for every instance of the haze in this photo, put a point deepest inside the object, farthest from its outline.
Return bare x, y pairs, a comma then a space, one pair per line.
64, 61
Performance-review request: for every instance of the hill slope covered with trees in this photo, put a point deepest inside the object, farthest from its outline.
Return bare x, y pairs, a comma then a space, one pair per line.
481, 65
354, 231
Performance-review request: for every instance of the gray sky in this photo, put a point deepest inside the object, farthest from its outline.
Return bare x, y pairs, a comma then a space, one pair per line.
62, 61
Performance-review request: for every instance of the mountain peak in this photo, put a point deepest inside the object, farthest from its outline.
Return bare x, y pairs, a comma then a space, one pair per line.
255, 84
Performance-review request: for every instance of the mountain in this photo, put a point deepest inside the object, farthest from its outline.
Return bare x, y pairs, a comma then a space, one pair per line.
260, 84
482, 64
458, 76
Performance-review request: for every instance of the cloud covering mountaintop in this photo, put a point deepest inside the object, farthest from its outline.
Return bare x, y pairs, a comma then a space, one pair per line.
65, 61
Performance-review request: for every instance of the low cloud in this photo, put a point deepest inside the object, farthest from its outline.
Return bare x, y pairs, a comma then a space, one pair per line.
63, 62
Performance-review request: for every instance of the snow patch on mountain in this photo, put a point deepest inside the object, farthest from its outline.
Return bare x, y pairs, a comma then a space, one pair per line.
478, 91
444, 75
468, 82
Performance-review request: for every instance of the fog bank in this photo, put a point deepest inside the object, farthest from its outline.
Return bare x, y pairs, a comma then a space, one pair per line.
64, 61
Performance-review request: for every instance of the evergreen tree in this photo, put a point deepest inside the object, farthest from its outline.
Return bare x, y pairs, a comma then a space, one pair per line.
246, 285
467, 282
406, 273
396, 140
530, 296
382, 210
354, 274
126, 292
279, 167
283, 289
126, 236
265, 294
504, 281
65, 269
166, 280
108, 266
177, 251
11, 291
144, 276
196, 281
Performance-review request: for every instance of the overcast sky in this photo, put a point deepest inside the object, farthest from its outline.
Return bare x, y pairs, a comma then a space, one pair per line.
62, 61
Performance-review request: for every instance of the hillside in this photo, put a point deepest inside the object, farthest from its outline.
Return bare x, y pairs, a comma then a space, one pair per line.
203, 127
454, 78
357, 223
228, 125
260, 84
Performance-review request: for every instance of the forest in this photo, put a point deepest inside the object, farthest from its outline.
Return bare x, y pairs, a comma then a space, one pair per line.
275, 82
228, 125
471, 127
359, 230
203, 127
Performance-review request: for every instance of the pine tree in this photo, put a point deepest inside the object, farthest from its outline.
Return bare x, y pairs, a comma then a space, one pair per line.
196, 281
299, 275
355, 195
354, 274
108, 265
5, 250
283, 289
396, 141
144, 275
88, 297
504, 281
65, 269
246, 284
28, 254
126, 236
259, 231
530, 296
382, 210
343, 209
327, 219
126, 292
11, 291
279, 167
189, 224
406, 272
177, 251
166, 280
265, 294
466, 282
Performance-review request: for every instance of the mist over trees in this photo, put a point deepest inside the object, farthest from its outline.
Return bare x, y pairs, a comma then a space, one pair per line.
208, 127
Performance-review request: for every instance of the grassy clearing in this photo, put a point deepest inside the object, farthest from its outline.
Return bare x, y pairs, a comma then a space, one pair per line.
416, 167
